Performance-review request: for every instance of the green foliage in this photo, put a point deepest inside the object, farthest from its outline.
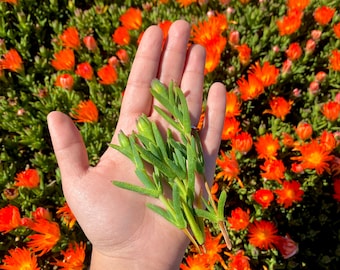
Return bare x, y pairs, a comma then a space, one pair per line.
33, 28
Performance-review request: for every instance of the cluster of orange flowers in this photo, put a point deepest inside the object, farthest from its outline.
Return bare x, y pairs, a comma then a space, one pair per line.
276, 154
43, 233
313, 153
64, 61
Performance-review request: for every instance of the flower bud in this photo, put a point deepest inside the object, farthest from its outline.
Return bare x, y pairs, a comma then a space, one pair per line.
90, 43
337, 97
316, 34
123, 140
158, 87
11, 193
296, 92
297, 168
310, 46
286, 66
304, 130
210, 13
64, 81
320, 76
144, 128
234, 38
113, 61
314, 87
276, 49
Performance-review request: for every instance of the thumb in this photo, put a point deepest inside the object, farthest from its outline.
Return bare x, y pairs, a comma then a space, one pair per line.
68, 146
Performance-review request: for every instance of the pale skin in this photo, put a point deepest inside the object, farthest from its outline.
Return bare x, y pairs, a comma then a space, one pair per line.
124, 233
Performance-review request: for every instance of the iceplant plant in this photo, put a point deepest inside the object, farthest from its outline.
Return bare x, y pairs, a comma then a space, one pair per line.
175, 164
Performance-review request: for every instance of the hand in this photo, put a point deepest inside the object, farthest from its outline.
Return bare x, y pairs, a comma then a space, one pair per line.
124, 233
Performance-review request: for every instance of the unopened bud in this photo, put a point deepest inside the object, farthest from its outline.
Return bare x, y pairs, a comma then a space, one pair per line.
234, 38
320, 76
314, 87
90, 43
316, 34
310, 46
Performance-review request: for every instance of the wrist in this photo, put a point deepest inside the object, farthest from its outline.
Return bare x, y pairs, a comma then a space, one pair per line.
101, 261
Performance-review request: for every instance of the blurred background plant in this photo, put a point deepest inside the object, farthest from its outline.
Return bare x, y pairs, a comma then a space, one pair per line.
279, 160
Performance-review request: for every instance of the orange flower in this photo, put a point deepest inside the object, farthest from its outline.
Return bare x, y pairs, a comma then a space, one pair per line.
289, 24
264, 197
197, 262
13, 2
244, 53
131, 19
212, 59
70, 38
262, 234
213, 190
288, 140
121, 36
242, 142
323, 15
185, 3
209, 34
64, 60
336, 185
74, 257
64, 81
165, 26
250, 89
304, 130
12, 61
9, 218
331, 110
267, 73
47, 236
238, 261
327, 140
233, 105
229, 167
213, 248
314, 156
66, 216
107, 74
85, 112
334, 60
230, 128
289, 193
19, 259
267, 146
28, 178
297, 4
279, 107
294, 51
336, 29
85, 71
273, 170
239, 219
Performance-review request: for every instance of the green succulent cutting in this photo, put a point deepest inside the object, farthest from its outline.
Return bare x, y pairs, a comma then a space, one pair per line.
176, 164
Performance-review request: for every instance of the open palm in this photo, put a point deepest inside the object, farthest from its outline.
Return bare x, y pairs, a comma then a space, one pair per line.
122, 230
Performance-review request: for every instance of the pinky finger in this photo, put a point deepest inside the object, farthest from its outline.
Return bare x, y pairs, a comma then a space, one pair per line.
212, 128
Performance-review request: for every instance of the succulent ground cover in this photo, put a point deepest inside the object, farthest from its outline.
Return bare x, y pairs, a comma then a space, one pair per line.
279, 161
